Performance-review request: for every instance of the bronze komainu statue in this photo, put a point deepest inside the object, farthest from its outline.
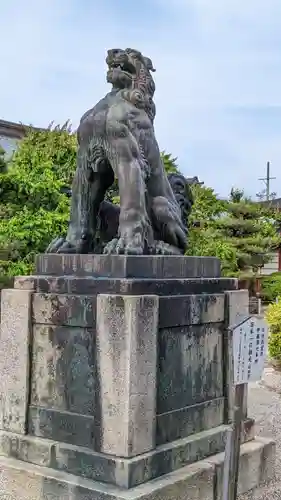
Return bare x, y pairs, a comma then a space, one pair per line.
109, 213
116, 138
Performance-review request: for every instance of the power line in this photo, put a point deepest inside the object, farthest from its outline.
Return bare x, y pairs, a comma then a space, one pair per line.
267, 180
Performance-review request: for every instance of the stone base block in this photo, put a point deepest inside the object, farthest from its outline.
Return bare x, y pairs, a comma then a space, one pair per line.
257, 464
124, 472
128, 266
202, 480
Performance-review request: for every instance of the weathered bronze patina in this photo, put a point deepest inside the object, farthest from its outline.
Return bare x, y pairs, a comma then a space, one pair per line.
116, 138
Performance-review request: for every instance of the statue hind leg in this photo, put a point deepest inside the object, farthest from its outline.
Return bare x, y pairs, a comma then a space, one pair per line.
166, 212
90, 183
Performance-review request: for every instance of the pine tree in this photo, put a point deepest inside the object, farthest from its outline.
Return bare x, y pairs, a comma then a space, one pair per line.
251, 230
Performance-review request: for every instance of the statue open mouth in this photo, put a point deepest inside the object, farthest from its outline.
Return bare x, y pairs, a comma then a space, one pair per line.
119, 60
125, 67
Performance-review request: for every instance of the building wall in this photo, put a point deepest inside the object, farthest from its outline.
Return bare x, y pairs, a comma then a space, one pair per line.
274, 265
9, 144
10, 135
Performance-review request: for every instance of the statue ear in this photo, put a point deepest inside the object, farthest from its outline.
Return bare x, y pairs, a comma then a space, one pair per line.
148, 64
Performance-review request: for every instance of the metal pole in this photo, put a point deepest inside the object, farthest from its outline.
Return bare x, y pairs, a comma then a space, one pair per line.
232, 448
227, 483
267, 180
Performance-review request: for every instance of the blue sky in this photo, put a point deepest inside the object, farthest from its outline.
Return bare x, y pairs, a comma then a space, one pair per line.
218, 75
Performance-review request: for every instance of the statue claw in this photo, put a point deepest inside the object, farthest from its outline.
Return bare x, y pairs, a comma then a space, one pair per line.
162, 248
62, 245
120, 246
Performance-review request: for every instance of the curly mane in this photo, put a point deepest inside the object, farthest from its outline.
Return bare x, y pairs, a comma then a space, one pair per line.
143, 87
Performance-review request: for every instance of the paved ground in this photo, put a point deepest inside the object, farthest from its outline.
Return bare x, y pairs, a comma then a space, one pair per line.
265, 407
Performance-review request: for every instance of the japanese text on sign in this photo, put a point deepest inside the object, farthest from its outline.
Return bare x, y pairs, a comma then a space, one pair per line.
249, 350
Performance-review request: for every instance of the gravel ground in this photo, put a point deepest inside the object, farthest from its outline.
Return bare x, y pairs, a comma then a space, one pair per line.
265, 407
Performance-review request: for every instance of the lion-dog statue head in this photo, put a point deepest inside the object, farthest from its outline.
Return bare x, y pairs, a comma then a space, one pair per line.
130, 72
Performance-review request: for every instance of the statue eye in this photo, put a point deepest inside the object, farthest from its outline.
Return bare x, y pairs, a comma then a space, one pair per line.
136, 55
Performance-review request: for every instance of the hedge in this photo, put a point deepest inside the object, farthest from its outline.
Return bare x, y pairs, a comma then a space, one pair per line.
273, 317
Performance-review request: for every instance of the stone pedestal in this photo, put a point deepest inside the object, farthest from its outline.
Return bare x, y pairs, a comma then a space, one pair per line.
118, 380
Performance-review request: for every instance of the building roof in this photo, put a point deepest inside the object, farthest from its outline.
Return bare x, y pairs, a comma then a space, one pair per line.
13, 130
194, 180
276, 203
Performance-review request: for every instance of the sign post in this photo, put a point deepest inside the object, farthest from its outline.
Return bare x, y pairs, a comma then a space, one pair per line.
249, 348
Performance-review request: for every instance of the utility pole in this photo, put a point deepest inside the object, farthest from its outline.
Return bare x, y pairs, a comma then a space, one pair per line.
267, 180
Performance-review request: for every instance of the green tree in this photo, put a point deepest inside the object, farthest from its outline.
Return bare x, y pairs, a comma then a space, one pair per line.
35, 209
252, 232
236, 195
3, 170
205, 237
241, 233
170, 163
3, 163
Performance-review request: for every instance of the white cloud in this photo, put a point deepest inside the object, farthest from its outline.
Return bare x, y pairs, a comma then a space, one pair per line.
217, 63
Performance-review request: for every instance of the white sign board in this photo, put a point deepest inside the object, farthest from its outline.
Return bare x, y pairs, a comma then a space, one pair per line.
250, 340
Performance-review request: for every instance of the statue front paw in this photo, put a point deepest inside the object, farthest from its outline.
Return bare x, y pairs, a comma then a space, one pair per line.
161, 248
62, 245
121, 246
